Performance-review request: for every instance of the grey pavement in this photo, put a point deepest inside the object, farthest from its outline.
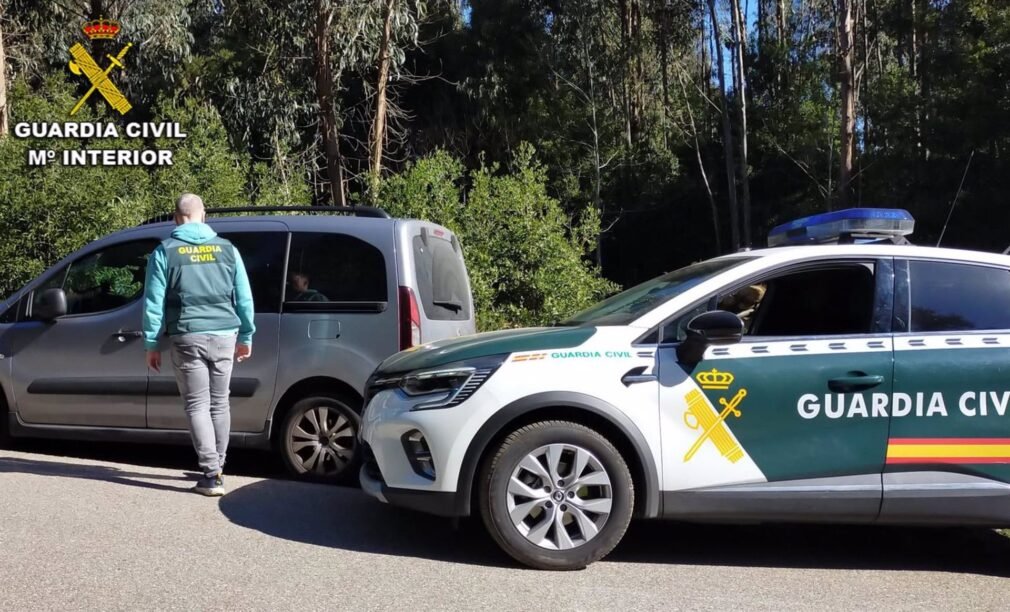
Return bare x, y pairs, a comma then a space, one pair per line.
84, 534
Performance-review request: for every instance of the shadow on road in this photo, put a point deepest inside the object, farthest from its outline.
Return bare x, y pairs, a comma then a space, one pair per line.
241, 462
348, 519
94, 472
940, 549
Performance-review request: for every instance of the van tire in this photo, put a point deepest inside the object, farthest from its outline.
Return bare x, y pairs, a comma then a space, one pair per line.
335, 461
602, 463
6, 440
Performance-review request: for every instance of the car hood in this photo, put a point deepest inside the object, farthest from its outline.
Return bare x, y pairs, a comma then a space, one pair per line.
451, 350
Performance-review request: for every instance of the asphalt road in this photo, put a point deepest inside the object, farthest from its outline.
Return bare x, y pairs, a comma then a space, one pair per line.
115, 528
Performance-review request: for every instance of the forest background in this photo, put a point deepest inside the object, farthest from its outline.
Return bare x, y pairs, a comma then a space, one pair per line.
576, 146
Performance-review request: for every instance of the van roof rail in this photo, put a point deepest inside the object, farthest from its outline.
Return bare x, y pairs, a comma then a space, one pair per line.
358, 211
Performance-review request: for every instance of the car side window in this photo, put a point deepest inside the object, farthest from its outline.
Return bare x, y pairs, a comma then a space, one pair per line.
958, 297
263, 256
833, 300
324, 268
103, 280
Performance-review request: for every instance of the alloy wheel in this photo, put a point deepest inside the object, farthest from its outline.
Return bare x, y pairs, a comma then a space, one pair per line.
559, 496
321, 441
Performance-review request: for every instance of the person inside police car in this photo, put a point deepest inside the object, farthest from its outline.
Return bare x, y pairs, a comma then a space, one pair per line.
197, 286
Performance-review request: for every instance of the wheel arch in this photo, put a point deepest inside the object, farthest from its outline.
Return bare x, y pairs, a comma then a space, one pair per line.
577, 407
315, 385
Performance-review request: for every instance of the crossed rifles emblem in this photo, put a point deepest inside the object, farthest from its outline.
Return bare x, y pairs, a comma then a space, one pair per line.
84, 64
702, 415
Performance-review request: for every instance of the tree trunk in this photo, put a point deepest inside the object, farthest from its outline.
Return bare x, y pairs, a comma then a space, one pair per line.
3, 86
780, 21
740, 38
664, 62
847, 92
727, 132
379, 125
625, 10
916, 78
701, 169
324, 97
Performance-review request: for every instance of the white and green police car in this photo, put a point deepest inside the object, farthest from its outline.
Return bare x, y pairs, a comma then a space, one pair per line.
861, 382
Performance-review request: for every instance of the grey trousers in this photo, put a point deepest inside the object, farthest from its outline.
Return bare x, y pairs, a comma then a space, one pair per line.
203, 365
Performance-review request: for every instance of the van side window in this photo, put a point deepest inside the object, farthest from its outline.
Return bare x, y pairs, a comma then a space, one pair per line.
263, 256
441, 280
958, 297
327, 268
103, 280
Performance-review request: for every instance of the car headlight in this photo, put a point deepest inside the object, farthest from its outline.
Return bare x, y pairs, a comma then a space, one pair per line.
447, 386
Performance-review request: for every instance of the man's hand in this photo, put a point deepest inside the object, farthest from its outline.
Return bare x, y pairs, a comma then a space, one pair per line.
154, 360
243, 352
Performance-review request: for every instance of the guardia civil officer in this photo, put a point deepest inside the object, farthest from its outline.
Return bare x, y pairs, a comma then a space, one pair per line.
197, 286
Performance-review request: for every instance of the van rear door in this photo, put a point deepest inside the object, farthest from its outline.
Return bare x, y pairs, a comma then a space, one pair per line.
432, 267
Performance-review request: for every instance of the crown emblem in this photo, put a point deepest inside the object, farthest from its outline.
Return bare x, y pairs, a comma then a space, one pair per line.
714, 379
101, 28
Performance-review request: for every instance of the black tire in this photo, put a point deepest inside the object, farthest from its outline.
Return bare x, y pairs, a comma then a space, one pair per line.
342, 420
5, 434
494, 496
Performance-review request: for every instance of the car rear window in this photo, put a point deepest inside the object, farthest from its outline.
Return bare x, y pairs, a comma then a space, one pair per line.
958, 297
441, 280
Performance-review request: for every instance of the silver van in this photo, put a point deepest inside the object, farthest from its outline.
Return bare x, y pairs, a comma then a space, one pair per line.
335, 294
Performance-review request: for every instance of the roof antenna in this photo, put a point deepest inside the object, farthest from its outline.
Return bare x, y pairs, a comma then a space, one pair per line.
956, 196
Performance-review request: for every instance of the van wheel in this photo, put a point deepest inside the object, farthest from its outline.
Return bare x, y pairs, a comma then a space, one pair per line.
556, 495
5, 424
319, 439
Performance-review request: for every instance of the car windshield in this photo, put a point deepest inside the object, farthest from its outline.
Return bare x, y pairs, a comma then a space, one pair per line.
625, 307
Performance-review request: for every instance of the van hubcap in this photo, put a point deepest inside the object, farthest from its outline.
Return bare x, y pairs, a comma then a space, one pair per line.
321, 441
559, 496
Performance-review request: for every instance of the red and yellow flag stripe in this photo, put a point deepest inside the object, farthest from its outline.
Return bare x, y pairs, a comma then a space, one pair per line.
948, 450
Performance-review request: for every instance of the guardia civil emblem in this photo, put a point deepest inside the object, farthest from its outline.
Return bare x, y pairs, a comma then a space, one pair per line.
702, 415
84, 65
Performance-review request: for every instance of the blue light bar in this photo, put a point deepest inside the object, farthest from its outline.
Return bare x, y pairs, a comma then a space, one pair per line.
855, 224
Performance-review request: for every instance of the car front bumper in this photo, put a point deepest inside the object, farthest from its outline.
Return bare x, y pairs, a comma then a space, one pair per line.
440, 503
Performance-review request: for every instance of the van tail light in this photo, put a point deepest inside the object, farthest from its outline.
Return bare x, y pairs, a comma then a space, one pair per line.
410, 319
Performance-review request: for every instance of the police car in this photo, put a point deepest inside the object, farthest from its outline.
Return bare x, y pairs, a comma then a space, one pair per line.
866, 382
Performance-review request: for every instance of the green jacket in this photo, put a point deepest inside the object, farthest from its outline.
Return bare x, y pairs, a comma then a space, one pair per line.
197, 283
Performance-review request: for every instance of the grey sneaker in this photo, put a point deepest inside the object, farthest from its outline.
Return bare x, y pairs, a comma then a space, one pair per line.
211, 487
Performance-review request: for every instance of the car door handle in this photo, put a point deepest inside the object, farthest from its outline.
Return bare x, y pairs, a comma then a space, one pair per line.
636, 375
855, 381
123, 334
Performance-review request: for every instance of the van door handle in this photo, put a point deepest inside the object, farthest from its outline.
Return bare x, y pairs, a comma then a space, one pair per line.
123, 334
636, 375
855, 381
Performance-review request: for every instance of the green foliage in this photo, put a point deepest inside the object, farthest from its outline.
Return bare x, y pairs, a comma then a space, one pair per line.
524, 255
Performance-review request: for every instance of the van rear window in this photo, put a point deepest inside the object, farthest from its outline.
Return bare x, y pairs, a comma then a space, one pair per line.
441, 280
326, 268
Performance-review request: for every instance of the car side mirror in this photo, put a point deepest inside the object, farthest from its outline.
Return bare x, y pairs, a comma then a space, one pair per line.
714, 328
50, 305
